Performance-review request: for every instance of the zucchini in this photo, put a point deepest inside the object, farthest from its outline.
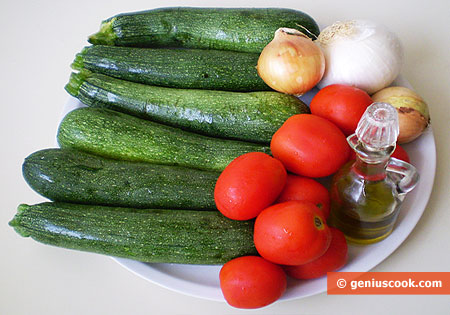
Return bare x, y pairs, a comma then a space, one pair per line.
78, 177
177, 68
239, 29
157, 236
120, 136
251, 116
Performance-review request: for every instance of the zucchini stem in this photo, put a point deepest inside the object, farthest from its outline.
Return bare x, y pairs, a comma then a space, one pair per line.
78, 63
75, 82
16, 221
106, 34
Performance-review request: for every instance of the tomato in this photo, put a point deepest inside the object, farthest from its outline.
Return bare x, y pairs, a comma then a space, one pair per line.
401, 154
291, 233
306, 189
341, 104
310, 145
333, 259
251, 282
398, 153
248, 185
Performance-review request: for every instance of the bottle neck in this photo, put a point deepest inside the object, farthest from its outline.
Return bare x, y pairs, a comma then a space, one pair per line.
370, 164
370, 171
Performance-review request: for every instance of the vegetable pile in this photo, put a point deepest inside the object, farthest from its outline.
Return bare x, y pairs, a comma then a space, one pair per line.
194, 147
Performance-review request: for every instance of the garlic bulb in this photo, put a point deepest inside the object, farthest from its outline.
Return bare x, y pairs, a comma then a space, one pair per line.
360, 53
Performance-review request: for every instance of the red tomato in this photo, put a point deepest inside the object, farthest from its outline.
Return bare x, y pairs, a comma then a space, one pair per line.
341, 104
401, 154
251, 282
310, 145
291, 233
306, 189
398, 153
248, 185
333, 259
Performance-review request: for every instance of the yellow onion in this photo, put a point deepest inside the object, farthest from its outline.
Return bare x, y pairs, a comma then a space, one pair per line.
291, 63
413, 114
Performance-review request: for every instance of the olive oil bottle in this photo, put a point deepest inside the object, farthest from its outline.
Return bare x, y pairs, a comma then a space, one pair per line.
366, 193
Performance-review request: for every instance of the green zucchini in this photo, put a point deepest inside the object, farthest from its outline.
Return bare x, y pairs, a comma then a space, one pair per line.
239, 29
177, 68
251, 116
77, 177
157, 236
117, 135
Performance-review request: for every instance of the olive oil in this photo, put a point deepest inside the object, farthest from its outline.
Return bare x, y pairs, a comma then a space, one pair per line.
365, 211
366, 193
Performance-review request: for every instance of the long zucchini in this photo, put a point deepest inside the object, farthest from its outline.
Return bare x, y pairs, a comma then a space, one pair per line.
177, 68
78, 177
159, 236
239, 29
252, 116
117, 135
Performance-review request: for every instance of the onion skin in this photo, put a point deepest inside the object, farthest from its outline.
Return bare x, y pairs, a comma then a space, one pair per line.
360, 53
413, 114
291, 63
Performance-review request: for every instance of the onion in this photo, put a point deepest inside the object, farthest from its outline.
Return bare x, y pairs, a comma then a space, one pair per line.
291, 63
361, 54
413, 114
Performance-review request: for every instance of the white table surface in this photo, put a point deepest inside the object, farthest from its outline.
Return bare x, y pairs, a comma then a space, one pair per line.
38, 42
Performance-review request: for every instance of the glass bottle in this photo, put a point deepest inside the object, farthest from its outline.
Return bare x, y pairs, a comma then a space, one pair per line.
366, 193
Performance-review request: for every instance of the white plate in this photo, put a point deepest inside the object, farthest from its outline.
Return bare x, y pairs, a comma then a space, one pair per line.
203, 281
